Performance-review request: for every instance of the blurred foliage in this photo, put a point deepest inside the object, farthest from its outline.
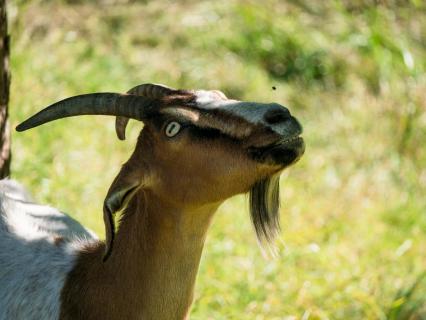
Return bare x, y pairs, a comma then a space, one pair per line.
354, 208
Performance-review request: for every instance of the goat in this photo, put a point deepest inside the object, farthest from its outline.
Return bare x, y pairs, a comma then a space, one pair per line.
197, 148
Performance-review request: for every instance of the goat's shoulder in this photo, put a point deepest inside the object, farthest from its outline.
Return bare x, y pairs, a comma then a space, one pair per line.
28, 219
38, 248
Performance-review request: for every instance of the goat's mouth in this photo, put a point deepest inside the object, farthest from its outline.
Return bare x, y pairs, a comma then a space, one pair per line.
283, 152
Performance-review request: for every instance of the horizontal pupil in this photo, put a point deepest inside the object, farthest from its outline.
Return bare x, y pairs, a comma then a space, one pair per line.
172, 129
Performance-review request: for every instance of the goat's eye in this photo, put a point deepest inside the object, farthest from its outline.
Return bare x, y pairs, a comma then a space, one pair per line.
172, 129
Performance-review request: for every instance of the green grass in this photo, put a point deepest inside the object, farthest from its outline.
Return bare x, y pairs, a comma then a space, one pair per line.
353, 244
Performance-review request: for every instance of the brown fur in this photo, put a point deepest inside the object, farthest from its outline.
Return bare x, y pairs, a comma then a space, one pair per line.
152, 269
151, 272
170, 189
57, 241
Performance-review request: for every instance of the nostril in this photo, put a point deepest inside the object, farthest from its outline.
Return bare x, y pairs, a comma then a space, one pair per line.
277, 115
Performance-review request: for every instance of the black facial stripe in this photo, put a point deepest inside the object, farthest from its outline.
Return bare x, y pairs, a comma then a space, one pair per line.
160, 120
204, 133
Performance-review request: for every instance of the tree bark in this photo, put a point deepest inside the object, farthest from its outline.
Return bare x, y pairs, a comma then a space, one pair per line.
4, 94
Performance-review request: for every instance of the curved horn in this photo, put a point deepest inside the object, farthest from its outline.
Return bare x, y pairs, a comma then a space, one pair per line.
150, 90
130, 106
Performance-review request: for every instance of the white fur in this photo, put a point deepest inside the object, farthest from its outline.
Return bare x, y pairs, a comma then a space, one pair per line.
252, 112
33, 268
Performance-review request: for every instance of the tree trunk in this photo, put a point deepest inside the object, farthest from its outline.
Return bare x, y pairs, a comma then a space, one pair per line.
4, 93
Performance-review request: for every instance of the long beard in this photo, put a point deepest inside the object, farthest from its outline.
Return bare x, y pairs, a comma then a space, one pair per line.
264, 209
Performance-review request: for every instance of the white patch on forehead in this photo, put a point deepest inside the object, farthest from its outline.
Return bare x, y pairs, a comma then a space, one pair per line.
205, 97
33, 265
252, 112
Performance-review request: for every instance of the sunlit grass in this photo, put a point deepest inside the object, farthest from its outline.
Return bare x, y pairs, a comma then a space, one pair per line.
353, 209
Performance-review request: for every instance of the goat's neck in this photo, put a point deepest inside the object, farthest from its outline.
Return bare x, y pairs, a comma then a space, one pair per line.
152, 269
162, 245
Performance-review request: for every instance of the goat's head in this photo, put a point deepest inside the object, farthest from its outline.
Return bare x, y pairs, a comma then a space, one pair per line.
197, 147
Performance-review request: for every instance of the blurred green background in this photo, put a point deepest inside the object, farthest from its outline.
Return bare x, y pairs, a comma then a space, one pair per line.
353, 210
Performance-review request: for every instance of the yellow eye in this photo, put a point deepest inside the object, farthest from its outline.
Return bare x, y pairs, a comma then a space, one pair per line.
172, 129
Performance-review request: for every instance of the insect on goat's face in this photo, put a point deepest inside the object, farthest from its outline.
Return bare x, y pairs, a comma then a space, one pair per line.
197, 147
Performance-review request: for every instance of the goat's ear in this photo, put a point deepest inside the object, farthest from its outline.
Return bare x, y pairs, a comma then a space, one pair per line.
123, 188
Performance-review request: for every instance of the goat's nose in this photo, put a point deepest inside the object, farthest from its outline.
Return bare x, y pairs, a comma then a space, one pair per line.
277, 115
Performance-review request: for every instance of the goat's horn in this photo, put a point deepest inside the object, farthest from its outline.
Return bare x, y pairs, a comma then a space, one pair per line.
129, 106
150, 90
